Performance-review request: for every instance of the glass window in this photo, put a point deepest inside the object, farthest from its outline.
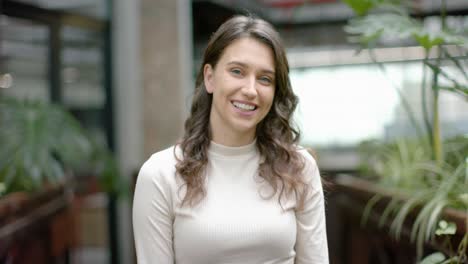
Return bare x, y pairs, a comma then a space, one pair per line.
24, 56
346, 104
83, 77
82, 68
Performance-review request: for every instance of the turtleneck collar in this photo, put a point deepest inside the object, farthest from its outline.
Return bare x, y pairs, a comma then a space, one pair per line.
221, 150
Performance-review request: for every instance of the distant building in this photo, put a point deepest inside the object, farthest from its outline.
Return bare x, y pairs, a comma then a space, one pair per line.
453, 114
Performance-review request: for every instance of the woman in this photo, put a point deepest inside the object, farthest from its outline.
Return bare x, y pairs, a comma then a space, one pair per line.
237, 189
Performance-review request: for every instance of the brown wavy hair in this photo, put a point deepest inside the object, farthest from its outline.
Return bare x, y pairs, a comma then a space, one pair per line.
282, 166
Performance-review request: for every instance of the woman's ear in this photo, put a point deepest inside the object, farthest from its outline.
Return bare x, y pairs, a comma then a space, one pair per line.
208, 78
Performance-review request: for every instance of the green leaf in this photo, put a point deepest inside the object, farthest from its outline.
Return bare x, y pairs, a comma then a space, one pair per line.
445, 228
391, 208
427, 41
456, 61
389, 25
434, 258
398, 223
463, 198
360, 7
433, 217
367, 210
2, 188
452, 260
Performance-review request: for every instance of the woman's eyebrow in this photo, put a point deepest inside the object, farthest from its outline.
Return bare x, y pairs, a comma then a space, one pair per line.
245, 65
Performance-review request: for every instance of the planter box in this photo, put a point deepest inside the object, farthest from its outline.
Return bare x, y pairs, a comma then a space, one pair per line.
35, 228
370, 243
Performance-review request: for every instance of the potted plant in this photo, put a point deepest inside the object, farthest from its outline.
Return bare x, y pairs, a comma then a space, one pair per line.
425, 178
42, 146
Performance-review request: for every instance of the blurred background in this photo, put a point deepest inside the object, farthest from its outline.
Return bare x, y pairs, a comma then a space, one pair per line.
125, 71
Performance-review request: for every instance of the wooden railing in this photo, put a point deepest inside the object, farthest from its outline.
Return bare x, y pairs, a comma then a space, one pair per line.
354, 243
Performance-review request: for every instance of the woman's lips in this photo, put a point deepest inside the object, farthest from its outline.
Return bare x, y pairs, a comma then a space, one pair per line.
244, 108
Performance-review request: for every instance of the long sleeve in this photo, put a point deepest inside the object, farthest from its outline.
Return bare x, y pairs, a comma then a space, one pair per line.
152, 215
311, 241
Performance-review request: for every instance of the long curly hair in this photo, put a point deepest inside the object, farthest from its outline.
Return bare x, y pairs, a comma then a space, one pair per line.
282, 166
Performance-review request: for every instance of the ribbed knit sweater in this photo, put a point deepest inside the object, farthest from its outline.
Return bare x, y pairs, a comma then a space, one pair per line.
235, 223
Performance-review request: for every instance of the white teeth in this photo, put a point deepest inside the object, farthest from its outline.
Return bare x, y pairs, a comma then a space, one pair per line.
244, 106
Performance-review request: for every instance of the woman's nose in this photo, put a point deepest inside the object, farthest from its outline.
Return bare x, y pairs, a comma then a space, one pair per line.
249, 89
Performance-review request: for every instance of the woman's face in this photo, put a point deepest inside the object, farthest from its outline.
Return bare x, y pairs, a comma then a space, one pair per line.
243, 87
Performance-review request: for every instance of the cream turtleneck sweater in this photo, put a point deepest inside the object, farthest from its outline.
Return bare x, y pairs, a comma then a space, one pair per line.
233, 224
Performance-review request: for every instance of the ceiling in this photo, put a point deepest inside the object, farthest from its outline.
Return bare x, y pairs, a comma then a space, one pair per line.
209, 14
92, 8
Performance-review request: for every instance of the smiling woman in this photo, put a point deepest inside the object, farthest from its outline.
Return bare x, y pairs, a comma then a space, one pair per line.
237, 188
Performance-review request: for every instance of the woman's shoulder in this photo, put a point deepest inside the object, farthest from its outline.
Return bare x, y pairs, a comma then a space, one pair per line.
311, 168
160, 165
307, 154
167, 155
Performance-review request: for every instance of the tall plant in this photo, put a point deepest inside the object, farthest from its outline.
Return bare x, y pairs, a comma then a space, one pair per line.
437, 177
377, 19
42, 144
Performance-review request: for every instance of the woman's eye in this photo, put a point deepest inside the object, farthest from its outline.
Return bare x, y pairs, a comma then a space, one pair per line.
265, 80
236, 71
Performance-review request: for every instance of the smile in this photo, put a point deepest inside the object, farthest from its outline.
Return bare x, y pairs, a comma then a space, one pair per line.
244, 106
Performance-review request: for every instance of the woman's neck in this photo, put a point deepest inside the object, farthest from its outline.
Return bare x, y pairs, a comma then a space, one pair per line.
231, 138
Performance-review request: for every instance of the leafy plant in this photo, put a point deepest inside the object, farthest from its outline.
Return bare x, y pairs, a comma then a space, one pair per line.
447, 229
395, 23
433, 174
42, 144
421, 183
